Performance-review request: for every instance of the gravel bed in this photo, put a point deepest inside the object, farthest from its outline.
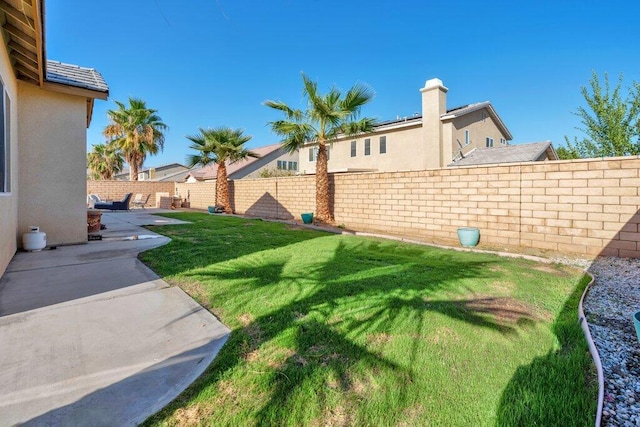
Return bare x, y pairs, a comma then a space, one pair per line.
609, 307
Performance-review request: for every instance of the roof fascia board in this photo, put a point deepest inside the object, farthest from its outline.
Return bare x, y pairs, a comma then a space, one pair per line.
38, 11
73, 90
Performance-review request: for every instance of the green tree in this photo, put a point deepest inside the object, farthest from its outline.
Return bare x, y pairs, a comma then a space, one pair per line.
104, 161
611, 123
567, 153
137, 131
326, 118
219, 146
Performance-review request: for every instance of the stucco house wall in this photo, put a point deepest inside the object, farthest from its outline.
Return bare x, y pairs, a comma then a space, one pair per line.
269, 162
52, 132
480, 126
9, 200
403, 152
421, 142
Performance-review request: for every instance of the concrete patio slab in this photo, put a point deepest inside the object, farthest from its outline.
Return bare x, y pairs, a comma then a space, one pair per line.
91, 336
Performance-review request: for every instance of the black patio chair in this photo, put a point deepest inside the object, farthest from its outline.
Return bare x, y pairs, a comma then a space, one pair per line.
122, 205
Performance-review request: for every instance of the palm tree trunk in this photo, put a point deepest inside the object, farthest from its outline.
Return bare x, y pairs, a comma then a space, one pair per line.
222, 188
133, 168
323, 212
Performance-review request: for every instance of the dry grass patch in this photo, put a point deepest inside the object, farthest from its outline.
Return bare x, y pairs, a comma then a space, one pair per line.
443, 335
192, 415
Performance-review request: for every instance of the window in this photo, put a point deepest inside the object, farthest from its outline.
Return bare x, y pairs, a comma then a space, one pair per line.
5, 133
383, 144
367, 147
353, 148
503, 141
313, 154
293, 166
467, 140
279, 164
489, 142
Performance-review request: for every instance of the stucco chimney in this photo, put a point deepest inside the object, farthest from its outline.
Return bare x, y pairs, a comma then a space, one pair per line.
434, 105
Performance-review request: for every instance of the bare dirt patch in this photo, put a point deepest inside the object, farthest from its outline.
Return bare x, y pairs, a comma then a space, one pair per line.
379, 339
321, 354
245, 319
192, 415
278, 359
335, 417
295, 227
411, 415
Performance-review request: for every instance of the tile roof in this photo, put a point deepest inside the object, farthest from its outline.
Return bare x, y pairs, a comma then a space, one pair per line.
451, 114
517, 153
73, 75
464, 109
210, 171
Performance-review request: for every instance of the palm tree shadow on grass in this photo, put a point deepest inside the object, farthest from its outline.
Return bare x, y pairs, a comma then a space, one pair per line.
532, 396
226, 239
350, 301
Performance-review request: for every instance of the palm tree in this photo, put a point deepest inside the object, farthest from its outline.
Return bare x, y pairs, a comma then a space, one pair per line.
137, 131
104, 161
327, 118
220, 146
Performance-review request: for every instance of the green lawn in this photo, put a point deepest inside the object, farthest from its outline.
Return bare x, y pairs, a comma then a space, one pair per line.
343, 330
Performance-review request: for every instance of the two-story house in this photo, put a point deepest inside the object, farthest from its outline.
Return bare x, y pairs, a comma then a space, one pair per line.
432, 139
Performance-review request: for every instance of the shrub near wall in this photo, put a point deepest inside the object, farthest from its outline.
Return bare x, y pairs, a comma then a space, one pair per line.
579, 207
116, 190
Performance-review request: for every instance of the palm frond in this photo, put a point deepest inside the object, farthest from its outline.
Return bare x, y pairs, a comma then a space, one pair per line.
356, 97
363, 125
292, 114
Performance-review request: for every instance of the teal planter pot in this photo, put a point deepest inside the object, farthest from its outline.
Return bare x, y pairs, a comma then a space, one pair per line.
468, 236
307, 218
636, 323
211, 209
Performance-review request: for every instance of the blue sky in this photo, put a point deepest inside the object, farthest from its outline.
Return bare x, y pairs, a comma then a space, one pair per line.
207, 63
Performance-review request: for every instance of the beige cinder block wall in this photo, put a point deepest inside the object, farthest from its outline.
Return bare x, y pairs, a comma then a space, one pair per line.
581, 208
9, 200
52, 133
116, 190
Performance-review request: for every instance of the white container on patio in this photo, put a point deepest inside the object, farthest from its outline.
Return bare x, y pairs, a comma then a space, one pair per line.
34, 240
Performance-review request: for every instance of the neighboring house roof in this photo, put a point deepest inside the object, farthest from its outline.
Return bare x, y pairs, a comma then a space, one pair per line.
517, 153
179, 176
174, 176
453, 113
470, 108
74, 75
210, 171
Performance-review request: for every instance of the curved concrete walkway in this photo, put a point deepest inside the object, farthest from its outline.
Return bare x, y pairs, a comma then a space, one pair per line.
90, 336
